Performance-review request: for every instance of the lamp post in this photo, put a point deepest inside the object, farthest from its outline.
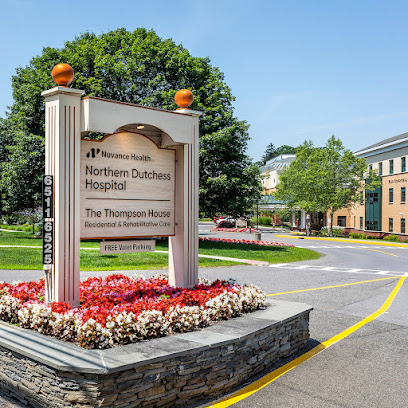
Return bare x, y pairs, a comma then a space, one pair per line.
257, 234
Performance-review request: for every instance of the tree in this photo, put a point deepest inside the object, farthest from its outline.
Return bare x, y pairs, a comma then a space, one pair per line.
324, 179
139, 67
272, 151
21, 174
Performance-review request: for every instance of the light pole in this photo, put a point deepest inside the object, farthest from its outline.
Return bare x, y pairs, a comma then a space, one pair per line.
257, 234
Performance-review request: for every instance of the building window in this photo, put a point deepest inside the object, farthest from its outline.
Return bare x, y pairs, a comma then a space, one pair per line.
402, 195
403, 164
370, 166
391, 195
402, 225
361, 222
391, 166
380, 169
341, 221
390, 224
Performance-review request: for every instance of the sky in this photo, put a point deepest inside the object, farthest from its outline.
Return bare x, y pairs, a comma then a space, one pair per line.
300, 70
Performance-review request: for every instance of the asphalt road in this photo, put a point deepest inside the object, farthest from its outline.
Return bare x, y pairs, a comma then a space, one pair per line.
366, 369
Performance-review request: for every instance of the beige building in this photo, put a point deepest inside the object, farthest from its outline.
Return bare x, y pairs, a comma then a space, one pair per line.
385, 210
271, 170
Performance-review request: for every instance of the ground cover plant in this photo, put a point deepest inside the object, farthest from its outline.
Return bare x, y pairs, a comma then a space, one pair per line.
121, 309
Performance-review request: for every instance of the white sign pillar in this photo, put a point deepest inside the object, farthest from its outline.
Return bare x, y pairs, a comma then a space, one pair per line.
62, 156
183, 247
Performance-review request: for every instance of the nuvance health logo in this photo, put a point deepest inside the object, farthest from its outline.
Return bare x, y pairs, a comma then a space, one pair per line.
93, 153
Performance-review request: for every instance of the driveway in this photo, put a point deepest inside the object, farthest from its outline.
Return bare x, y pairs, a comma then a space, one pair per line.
365, 368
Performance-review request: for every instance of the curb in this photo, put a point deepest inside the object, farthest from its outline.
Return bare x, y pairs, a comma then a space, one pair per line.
359, 241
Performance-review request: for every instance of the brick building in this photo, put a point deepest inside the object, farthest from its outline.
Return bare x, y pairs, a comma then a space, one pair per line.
385, 210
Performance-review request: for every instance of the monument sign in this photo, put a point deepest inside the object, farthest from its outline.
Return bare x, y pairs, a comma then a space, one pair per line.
127, 187
139, 181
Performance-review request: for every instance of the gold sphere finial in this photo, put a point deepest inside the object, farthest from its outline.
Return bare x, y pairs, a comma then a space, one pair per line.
62, 74
184, 98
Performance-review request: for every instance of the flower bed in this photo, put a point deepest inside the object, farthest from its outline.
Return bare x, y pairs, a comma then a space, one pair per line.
121, 310
233, 229
245, 241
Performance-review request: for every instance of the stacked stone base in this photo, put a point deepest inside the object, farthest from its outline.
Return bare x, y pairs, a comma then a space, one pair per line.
166, 372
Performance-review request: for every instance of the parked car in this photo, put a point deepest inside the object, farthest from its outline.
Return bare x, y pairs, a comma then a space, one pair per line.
224, 219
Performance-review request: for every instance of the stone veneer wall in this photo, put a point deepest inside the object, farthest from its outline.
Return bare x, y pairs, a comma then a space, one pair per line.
175, 379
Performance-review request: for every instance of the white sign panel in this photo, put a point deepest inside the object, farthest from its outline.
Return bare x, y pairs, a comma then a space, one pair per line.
127, 187
117, 247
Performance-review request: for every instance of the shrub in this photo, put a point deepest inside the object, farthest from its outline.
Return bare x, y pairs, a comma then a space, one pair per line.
356, 235
338, 232
393, 238
262, 220
225, 224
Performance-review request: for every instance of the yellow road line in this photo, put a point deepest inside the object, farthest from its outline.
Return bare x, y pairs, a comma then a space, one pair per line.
368, 249
358, 241
330, 287
269, 378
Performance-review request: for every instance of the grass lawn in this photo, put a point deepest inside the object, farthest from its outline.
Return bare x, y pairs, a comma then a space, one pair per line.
30, 258
258, 253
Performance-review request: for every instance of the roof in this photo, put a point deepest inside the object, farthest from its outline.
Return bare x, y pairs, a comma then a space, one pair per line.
390, 140
270, 199
279, 162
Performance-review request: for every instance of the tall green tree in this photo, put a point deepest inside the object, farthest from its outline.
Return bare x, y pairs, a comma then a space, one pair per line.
139, 67
21, 174
325, 179
272, 151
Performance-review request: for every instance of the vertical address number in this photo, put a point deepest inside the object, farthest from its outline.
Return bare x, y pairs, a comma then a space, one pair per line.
48, 196
48, 242
48, 226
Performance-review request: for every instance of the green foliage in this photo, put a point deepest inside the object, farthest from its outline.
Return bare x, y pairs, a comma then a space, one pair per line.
21, 174
272, 151
324, 179
339, 232
229, 183
392, 238
139, 67
356, 235
267, 221
284, 213
24, 227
